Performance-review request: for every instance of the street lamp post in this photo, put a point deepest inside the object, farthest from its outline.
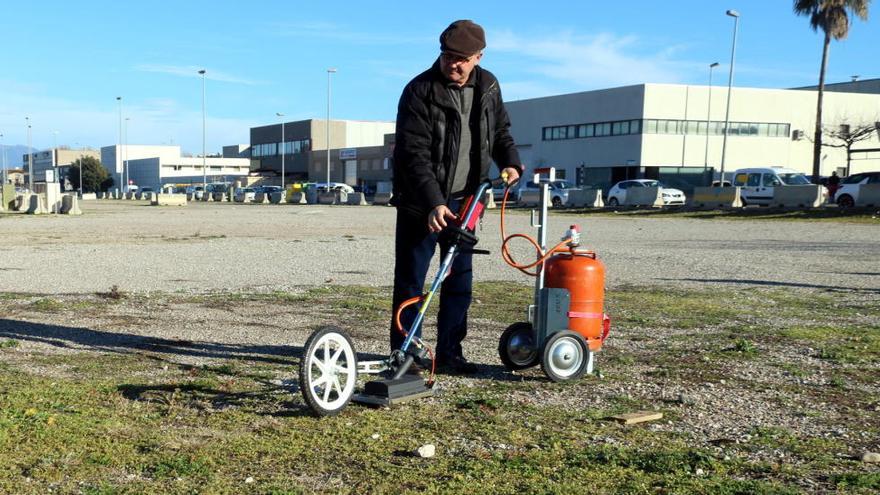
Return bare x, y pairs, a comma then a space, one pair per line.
329, 71
125, 155
118, 162
283, 150
735, 15
30, 157
80, 170
709, 121
4, 159
204, 155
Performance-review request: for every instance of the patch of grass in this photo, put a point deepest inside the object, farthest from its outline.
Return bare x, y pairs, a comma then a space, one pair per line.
8, 344
47, 305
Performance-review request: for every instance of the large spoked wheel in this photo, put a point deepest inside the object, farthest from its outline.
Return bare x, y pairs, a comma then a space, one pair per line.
518, 347
565, 356
845, 201
328, 371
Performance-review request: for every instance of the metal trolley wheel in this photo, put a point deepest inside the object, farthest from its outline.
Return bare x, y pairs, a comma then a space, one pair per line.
518, 347
328, 371
565, 356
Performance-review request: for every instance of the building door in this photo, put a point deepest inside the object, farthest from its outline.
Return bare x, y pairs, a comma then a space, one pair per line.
351, 168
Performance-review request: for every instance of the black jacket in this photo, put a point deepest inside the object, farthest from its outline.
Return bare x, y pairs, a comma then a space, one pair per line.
428, 133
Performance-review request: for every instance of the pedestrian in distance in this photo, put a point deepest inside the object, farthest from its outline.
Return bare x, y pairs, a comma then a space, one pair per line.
451, 127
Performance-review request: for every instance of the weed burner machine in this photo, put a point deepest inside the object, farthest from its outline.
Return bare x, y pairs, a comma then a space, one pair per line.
329, 368
566, 325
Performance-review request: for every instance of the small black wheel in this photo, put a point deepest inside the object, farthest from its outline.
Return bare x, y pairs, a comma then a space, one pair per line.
328, 371
557, 202
845, 201
612, 202
518, 347
565, 356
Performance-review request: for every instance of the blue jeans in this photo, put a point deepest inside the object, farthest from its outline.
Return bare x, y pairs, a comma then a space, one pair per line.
414, 247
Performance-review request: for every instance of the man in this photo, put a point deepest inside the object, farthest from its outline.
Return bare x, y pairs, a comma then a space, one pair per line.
833, 185
451, 124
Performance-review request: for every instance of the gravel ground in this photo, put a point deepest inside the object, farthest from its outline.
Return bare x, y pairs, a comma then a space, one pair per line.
227, 247
210, 247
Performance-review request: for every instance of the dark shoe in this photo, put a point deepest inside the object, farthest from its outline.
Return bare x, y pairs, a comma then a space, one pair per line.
456, 365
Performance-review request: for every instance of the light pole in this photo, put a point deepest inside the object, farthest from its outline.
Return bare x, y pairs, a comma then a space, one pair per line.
329, 71
204, 156
125, 161
709, 121
80, 170
30, 157
119, 154
735, 15
283, 150
4, 159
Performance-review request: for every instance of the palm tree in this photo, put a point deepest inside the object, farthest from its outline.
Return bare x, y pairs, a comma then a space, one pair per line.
832, 16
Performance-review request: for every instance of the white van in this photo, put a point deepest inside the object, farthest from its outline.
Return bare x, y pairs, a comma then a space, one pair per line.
757, 184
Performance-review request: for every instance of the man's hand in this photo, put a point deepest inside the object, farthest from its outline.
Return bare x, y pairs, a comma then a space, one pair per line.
437, 218
512, 174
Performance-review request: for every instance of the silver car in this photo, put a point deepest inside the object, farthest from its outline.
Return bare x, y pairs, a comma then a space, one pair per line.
530, 193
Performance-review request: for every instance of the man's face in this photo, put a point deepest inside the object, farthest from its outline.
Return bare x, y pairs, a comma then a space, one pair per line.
458, 69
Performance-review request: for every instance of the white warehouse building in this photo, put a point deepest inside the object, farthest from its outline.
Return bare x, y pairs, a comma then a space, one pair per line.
155, 166
672, 132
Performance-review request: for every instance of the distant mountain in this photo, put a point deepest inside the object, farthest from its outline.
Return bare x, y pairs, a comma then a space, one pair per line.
13, 155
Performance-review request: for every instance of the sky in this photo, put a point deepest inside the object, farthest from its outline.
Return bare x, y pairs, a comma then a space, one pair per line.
63, 63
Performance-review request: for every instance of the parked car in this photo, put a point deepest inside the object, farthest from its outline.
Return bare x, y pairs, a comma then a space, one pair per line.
267, 189
244, 194
757, 184
670, 196
198, 192
529, 193
848, 193
334, 186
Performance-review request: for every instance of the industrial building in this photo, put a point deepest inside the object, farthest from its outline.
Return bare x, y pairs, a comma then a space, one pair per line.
58, 160
359, 151
155, 166
675, 132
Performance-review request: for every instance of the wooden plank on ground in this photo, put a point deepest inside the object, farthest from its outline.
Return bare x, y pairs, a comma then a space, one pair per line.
637, 417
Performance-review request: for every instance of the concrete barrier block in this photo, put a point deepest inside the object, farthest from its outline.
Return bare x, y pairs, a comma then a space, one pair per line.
276, 198
357, 199
713, 198
644, 196
811, 196
328, 198
21, 202
490, 200
383, 199
298, 198
36, 205
89, 196
585, 198
169, 200
70, 205
869, 195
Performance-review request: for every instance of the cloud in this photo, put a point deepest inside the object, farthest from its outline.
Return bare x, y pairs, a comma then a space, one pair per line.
193, 71
579, 62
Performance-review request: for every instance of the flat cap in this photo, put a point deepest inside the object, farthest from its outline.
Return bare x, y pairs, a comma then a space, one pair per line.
463, 38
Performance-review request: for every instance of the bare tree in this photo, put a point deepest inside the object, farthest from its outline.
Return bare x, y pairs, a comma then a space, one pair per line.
846, 135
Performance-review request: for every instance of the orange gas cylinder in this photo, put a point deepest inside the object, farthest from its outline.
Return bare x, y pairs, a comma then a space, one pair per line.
584, 277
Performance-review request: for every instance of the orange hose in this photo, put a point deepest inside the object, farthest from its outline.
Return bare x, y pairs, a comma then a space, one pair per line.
505, 251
